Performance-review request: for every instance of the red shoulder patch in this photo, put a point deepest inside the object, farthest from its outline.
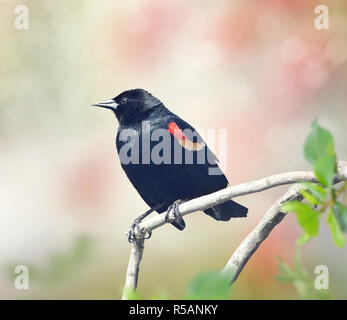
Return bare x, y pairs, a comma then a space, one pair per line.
183, 140
176, 131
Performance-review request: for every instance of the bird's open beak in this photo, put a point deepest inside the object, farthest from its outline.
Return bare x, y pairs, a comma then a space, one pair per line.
108, 104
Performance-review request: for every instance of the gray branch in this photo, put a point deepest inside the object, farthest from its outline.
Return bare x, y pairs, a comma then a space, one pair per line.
250, 244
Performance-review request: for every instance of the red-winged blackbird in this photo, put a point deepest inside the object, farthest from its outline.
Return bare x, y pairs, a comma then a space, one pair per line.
165, 158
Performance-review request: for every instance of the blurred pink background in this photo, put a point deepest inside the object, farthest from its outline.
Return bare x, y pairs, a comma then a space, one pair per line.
257, 68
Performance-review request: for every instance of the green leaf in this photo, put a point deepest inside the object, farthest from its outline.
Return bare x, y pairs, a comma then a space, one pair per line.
299, 276
318, 144
325, 169
304, 289
303, 239
162, 295
316, 190
308, 218
286, 274
340, 212
290, 206
299, 268
310, 198
335, 230
131, 294
211, 285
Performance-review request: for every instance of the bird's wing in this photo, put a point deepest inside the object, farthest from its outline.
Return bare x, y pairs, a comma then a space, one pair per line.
188, 137
207, 176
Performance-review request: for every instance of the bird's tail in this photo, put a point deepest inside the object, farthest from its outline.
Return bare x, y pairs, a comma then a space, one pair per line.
227, 210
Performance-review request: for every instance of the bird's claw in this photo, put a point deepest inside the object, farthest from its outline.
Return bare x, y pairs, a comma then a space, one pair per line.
132, 233
175, 210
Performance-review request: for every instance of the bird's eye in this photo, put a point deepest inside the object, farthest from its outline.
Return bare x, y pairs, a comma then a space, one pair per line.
124, 101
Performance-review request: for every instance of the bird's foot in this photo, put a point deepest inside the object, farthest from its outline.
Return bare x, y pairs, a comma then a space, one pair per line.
176, 213
135, 228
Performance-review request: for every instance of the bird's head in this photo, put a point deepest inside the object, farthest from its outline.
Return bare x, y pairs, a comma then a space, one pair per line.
130, 104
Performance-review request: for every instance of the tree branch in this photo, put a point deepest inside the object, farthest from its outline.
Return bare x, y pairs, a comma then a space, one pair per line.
253, 240
133, 266
251, 243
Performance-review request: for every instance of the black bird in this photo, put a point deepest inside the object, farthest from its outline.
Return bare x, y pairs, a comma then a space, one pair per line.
165, 158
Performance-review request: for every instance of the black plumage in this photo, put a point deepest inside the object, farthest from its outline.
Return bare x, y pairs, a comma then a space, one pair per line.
149, 133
